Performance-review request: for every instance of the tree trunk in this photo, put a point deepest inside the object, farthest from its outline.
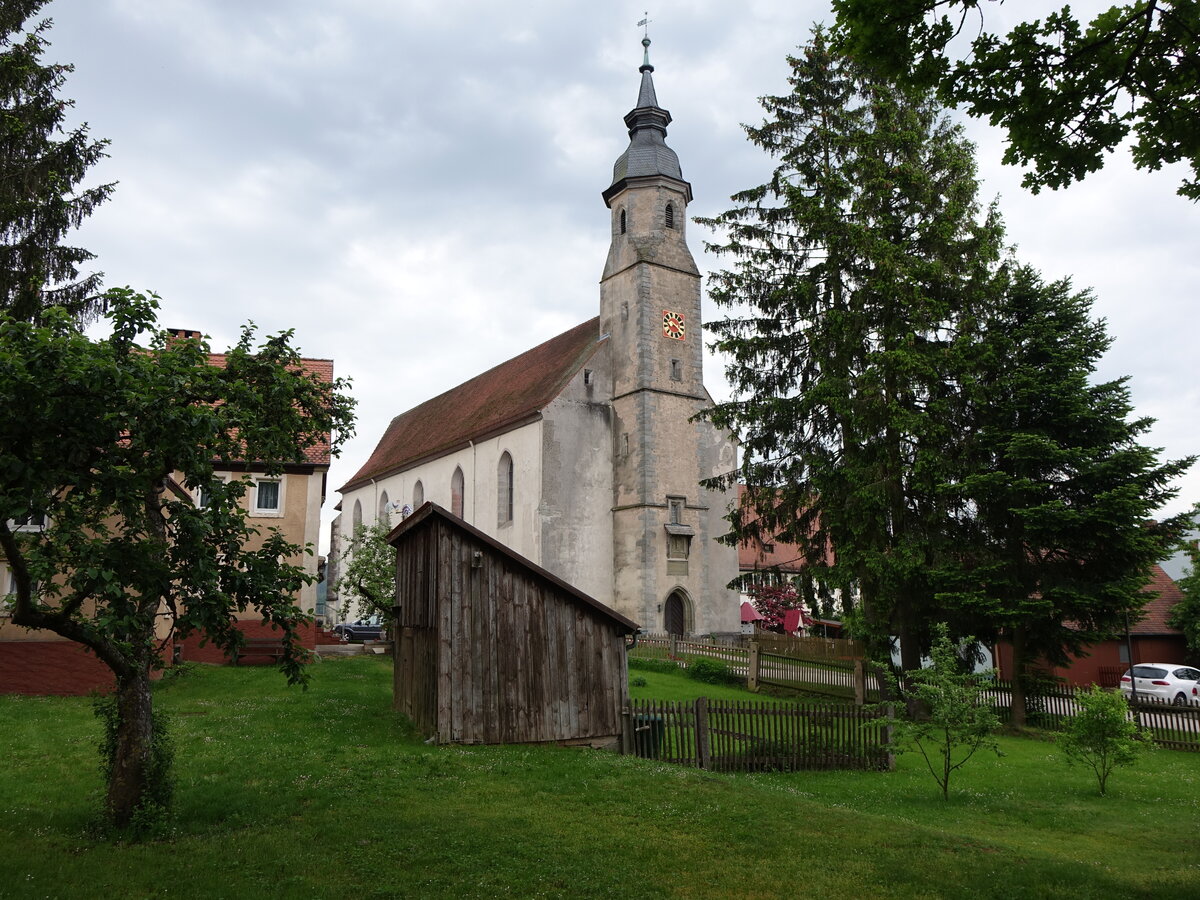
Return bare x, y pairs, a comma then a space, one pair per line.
1017, 710
128, 780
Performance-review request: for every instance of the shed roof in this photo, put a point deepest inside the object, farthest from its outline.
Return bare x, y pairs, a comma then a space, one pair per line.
430, 510
501, 398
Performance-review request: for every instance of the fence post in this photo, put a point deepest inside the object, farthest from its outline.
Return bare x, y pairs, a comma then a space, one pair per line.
702, 748
626, 731
752, 667
888, 736
673, 647
860, 683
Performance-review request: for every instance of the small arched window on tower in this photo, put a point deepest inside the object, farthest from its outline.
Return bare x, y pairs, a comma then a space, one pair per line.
670, 215
456, 493
622, 221
504, 490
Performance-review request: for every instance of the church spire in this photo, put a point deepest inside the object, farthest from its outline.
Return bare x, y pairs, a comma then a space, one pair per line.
648, 153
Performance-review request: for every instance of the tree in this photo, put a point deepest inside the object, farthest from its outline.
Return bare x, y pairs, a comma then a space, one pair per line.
368, 578
1065, 93
1186, 614
107, 441
1100, 734
1057, 540
772, 601
40, 198
954, 723
849, 267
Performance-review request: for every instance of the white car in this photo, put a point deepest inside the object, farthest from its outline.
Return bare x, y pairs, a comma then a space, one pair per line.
1164, 683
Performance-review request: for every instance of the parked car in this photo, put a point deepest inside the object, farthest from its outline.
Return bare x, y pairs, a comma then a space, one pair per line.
362, 630
1164, 682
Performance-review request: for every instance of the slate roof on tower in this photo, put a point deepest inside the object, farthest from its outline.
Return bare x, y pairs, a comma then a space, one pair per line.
500, 399
648, 154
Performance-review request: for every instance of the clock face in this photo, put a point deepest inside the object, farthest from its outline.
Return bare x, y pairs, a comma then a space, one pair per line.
673, 325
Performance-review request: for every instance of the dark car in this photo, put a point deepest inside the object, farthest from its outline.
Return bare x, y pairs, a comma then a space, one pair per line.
362, 630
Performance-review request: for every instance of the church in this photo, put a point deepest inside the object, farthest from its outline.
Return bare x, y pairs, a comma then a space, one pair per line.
582, 454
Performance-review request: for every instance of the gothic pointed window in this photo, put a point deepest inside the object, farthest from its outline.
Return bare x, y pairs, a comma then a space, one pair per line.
456, 493
670, 215
383, 508
356, 517
418, 494
622, 221
504, 490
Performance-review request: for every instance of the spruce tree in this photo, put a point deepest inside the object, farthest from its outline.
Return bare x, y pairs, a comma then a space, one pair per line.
43, 166
849, 268
1057, 497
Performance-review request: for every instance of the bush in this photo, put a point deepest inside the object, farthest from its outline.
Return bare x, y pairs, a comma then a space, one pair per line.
637, 681
1100, 734
709, 671
666, 666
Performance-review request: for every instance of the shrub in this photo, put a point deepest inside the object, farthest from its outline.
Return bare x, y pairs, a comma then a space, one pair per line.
709, 671
666, 666
1100, 734
637, 681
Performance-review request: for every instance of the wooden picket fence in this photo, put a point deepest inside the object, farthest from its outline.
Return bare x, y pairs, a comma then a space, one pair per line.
825, 674
754, 736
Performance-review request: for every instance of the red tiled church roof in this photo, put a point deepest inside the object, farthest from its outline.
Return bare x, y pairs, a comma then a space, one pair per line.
495, 401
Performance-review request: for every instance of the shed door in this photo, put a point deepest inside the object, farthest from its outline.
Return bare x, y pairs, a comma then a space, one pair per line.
673, 615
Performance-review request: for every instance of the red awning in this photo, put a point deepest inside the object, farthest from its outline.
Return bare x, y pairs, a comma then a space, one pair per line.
749, 613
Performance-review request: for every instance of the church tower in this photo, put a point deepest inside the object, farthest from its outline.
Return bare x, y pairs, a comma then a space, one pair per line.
670, 574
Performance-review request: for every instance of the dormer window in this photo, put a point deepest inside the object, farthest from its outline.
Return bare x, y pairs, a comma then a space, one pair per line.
670, 215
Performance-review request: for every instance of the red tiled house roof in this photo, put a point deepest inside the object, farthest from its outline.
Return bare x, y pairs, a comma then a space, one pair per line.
755, 554
1154, 613
318, 454
503, 397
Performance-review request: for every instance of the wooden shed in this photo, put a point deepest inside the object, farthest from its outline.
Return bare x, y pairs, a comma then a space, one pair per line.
491, 648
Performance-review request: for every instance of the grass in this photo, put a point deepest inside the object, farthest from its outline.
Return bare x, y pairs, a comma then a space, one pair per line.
327, 793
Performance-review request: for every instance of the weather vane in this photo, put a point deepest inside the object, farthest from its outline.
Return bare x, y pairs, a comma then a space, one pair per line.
645, 23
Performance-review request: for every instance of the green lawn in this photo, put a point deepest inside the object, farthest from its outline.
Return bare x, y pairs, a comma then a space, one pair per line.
326, 793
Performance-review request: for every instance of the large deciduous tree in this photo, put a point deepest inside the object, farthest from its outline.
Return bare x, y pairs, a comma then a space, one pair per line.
1067, 93
42, 167
1055, 503
107, 441
850, 265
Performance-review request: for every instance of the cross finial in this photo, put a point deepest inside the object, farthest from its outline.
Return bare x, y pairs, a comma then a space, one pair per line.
645, 23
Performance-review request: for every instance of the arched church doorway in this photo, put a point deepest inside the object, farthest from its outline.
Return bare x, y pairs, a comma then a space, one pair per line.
677, 613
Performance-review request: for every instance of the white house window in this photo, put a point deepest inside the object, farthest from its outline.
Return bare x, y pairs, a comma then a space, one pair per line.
203, 494
418, 494
456, 493
504, 490
31, 522
268, 497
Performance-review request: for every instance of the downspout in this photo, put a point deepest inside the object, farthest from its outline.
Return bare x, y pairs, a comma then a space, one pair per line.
474, 479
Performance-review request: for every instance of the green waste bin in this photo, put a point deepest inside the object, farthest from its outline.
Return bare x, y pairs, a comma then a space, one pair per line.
647, 736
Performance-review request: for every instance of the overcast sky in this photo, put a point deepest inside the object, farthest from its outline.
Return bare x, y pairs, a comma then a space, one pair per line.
414, 186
